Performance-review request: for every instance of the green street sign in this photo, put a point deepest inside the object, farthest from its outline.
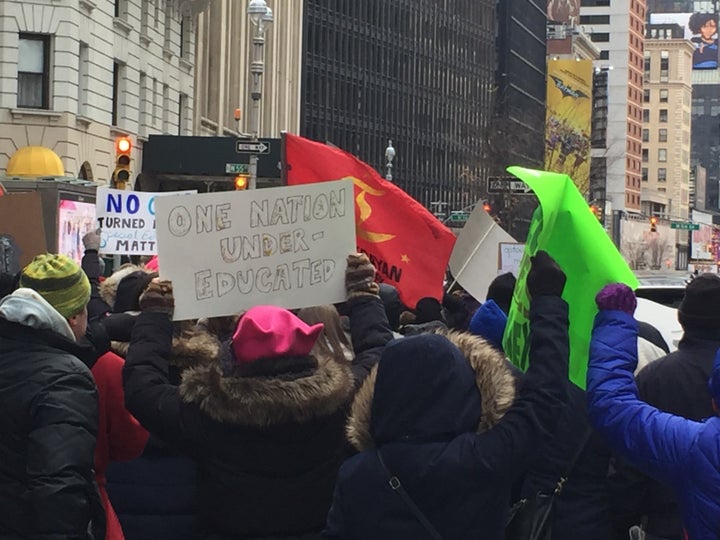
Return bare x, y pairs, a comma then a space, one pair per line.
236, 168
459, 217
684, 226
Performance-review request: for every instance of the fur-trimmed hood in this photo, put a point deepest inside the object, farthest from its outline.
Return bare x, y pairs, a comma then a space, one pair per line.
493, 379
109, 287
260, 401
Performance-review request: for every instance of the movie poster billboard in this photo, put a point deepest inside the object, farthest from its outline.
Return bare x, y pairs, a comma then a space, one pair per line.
701, 29
568, 120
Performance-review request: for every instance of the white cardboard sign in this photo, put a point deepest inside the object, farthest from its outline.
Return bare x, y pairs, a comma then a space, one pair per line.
127, 220
475, 259
226, 252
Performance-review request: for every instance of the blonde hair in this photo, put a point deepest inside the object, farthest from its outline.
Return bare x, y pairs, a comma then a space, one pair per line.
333, 341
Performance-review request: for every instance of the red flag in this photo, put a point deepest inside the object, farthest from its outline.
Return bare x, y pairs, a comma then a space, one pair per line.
409, 246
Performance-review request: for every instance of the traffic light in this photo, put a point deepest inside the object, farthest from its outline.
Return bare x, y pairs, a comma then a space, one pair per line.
596, 211
487, 207
241, 182
121, 174
653, 224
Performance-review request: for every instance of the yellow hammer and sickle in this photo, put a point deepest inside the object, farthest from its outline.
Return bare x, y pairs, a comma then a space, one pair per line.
366, 211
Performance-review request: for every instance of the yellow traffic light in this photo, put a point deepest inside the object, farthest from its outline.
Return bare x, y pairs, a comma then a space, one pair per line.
121, 174
653, 224
241, 181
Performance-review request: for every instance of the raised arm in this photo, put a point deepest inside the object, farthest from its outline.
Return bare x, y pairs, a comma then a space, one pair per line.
654, 441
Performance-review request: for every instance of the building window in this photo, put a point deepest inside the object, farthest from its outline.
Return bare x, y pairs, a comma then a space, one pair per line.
645, 135
646, 115
83, 74
645, 155
115, 94
186, 33
663, 115
646, 95
662, 135
182, 114
33, 71
604, 55
644, 174
662, 175
594, 19
166, 109
664, 95
145, 110
600, 37
662, 155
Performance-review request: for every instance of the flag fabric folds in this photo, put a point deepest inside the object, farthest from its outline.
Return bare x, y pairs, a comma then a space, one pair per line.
564, 226
408, 245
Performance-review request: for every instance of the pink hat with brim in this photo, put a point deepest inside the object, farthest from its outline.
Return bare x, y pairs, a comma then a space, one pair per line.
271, 332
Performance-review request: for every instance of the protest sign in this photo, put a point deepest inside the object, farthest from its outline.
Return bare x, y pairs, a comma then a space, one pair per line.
474, 259
226, 252
127, 220
564, 227
509, 257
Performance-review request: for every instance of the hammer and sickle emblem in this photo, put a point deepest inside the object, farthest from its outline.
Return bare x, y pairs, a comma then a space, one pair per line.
366, 211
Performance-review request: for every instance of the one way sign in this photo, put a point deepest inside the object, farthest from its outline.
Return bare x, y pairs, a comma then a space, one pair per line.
249, 147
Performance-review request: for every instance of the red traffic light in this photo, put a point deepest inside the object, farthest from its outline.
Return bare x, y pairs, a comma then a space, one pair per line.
653, 220
123, 145
487, 207
241, 182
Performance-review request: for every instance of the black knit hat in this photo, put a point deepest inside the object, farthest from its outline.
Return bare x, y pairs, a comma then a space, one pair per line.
428, 309
501, 290
700, 308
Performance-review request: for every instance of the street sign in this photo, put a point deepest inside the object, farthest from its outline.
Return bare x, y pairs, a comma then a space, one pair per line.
244, 146
684, 226
459, 217
236, 168
506, 184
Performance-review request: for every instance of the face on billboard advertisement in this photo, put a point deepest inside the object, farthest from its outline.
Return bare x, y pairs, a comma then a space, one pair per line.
563, 11
75, 219
701, 30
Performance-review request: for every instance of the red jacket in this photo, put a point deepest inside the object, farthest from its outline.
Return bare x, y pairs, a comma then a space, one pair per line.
120, 436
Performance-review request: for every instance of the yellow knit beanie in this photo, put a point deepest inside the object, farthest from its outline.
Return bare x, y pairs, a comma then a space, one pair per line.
60, 281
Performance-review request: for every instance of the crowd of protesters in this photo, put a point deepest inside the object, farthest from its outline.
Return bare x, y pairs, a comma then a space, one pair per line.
365, 419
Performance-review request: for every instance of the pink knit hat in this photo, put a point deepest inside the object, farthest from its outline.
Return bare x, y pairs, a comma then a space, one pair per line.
270, 332
153, 264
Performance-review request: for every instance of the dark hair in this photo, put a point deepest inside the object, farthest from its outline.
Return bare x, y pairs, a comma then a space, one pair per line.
698, 20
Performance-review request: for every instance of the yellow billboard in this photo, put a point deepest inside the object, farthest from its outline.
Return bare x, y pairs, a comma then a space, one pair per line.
568, 119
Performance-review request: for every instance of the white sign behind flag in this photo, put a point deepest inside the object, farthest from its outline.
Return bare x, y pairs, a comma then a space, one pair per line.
227, 252
474, 260
127, 220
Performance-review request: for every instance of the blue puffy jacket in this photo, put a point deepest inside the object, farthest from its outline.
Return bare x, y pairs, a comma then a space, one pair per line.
681, 453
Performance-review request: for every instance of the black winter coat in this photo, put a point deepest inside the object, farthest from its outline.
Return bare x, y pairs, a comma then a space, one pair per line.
48, 429
448, 428
583, 508
268, 449
678, 384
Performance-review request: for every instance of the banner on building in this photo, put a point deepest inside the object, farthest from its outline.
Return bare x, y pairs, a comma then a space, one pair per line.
568, 120
564, 11
226, 252
700, 28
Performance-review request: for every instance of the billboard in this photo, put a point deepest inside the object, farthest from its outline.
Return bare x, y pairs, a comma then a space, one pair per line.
701, 30
564, 11
568, 118
75, 219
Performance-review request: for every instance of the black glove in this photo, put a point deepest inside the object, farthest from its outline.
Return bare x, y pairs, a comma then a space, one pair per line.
545, 278
118, 325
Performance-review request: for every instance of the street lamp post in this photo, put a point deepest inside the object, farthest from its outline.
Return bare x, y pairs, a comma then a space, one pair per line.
261, 16
389, 156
